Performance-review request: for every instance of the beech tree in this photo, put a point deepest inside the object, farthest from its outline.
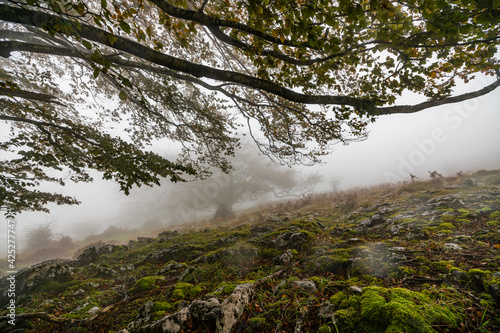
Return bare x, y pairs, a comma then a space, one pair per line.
253, 177
302, 74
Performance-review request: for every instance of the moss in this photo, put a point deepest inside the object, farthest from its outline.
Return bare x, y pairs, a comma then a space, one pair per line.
494, 223
484, 210
258, 324
495, 215
394, 310
446, 226
144, 284
410, 220
332, 263
306, 225
325, 329
162, 306
225, 288
338, 298
405, 272
422, 260
185, 290
478, 272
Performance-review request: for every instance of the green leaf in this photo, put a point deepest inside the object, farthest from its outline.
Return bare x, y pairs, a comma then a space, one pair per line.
125, 27
87, 44
112, 39
30, 2
496, 4
96, 72
103, 4
122, 96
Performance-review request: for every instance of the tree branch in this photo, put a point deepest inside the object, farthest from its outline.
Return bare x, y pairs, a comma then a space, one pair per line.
208, 20
438, 102
43, 123
28, 94
39, 19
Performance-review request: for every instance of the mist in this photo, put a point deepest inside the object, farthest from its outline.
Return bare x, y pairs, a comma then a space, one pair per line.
451, 138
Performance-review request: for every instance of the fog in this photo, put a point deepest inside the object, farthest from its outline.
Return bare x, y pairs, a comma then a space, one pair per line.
451, 138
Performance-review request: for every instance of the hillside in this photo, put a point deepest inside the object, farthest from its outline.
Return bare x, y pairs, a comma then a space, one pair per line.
418, 257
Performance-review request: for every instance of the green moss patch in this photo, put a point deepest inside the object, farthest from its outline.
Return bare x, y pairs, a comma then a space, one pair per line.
145, 284
185, 291
393, 310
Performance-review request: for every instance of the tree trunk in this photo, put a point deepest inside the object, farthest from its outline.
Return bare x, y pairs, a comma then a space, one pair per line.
224, 212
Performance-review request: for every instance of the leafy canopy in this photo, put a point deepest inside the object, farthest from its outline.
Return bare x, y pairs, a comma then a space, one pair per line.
300, 75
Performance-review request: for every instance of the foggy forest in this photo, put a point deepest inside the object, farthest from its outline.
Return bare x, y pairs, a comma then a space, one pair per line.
250, 166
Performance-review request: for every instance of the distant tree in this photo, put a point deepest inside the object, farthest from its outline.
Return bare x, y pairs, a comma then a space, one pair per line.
305, 74
253, 177
42, 236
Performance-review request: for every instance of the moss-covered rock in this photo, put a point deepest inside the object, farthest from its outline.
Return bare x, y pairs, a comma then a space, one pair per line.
380, 309
185, 291
144, 284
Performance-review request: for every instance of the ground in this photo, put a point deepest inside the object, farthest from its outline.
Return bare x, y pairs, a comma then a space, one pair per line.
413, 257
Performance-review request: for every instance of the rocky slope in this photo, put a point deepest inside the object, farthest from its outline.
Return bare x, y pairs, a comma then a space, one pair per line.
420, 257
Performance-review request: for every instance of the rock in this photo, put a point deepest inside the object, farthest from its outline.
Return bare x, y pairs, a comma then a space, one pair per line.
233, 306
208, 311
171, 267
291, 240
88, 256
396, 257
457, 204
284, 258
127, 267
144, 239
355, 241
166, 235
468, 182
175, 252
261, 229
143, 316
78, 292
93, 311
355, 290
108, 248
371, 222
452, 246
106, 272
326, 311
416, 235
172, 324
304, 285
494, 290
29, 278
205, 310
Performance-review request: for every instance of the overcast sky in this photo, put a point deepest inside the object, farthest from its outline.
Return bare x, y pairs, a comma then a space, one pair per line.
451, 138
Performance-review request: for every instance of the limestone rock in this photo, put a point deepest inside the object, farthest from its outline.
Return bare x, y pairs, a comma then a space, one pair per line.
29, 278
304, 285
291, 240
233, 306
